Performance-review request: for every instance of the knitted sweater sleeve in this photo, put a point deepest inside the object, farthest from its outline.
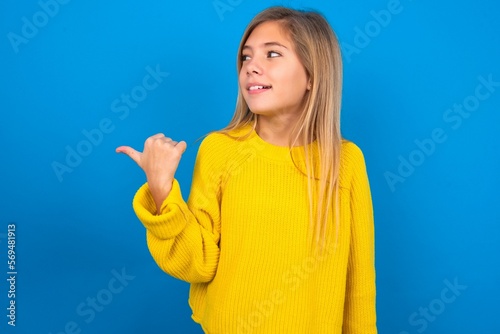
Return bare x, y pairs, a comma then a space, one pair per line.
184, 238
359, 309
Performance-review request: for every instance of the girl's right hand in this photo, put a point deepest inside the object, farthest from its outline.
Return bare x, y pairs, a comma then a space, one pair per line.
159, 161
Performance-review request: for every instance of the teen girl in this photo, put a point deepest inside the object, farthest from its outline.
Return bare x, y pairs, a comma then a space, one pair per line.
277, 235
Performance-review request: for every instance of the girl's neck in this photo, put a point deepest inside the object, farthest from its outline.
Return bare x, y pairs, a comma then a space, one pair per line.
276, 130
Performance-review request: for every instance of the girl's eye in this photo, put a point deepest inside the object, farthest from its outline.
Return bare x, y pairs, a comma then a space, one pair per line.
244, 57
273, 54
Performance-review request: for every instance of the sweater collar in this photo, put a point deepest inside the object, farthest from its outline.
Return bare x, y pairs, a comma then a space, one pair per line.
271, 151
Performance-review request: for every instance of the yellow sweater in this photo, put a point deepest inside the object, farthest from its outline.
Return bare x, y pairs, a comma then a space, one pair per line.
241, 241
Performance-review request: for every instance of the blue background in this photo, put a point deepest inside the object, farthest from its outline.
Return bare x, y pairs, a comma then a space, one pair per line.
76, 229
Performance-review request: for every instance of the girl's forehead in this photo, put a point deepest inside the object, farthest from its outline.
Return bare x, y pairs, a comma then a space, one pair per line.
270, 31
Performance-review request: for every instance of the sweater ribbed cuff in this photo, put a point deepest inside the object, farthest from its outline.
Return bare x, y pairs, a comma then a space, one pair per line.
171, 221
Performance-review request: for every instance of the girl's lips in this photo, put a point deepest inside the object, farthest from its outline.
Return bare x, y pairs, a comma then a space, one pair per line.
257, 88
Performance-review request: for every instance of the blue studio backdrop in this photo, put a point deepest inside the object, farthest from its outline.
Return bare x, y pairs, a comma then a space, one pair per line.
79, 78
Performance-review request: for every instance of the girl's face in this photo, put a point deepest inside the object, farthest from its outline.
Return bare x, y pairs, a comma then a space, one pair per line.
272, 79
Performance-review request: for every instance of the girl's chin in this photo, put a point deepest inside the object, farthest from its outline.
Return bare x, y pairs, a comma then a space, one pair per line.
262, 111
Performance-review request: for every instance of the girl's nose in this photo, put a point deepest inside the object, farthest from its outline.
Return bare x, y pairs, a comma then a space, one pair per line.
253, 67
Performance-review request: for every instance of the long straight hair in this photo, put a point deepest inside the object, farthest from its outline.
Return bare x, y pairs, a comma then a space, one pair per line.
318, 50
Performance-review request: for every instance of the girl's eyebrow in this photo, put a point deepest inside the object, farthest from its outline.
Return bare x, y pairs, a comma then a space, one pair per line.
266, 45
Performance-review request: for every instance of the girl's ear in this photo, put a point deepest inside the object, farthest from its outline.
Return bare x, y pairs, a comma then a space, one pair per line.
309, 85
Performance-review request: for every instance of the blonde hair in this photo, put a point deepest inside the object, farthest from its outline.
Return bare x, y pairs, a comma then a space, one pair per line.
318, 50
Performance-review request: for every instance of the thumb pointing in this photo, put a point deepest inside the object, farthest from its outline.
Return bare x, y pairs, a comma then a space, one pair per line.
133, 154
181, 146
